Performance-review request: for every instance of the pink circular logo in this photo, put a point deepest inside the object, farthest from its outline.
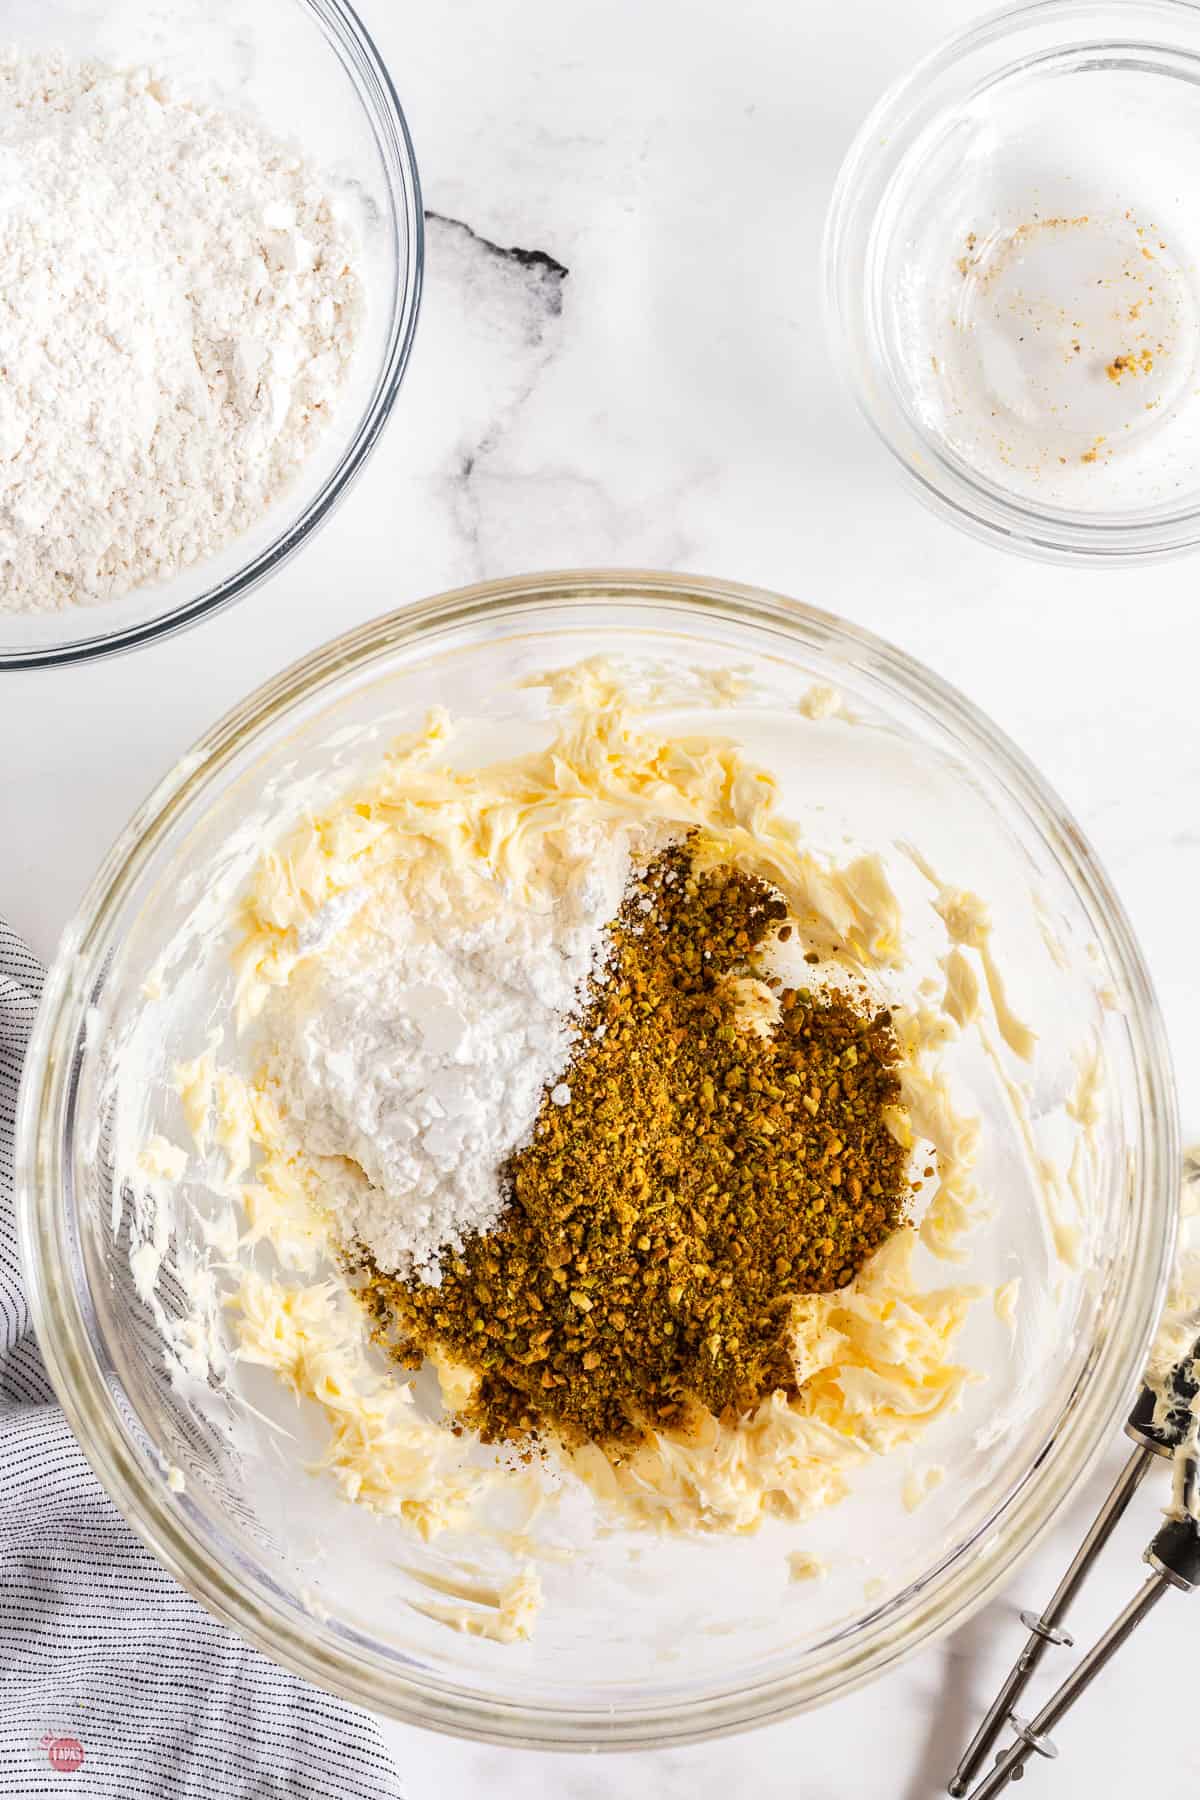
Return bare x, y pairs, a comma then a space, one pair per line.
65, 1754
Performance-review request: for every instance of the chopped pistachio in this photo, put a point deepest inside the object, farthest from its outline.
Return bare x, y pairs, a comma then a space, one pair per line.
702, 1178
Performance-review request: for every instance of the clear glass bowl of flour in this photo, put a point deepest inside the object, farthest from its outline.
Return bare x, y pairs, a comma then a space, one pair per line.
307, 73
1012, 279
642, 1639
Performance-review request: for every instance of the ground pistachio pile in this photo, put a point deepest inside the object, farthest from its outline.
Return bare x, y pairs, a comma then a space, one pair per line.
724, 1151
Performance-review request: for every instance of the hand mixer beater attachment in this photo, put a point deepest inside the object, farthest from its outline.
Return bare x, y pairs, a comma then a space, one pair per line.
1166, 1429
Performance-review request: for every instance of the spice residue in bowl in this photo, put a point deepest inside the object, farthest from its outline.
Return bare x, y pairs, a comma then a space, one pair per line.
1057, 351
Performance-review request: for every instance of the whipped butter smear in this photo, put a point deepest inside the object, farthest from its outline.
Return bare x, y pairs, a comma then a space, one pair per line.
425, 838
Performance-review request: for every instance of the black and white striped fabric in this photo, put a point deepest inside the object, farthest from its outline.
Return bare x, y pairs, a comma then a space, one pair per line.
114, 1684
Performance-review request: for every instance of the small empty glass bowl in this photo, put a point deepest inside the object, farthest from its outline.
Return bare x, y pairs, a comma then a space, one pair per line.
309, 74
1012, 285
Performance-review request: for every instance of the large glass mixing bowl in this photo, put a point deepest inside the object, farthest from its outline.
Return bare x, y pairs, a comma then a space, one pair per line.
308, 73
642, 1640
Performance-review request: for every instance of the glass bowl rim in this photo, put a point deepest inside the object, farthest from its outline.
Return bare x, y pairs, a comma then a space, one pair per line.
339, 24
946, 1594
945, 483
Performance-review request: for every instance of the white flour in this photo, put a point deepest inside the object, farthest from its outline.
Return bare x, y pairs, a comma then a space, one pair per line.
177, 308
421, 1049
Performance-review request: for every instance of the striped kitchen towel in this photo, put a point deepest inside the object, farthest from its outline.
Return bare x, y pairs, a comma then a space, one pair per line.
114, 1684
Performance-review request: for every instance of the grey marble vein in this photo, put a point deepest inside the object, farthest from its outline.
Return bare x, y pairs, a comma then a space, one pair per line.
540, 260
510, 301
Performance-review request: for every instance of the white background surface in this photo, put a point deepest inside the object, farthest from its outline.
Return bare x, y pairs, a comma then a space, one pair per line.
678, 409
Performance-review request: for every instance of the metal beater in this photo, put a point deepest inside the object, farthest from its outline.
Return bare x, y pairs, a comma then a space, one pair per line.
1173, 1553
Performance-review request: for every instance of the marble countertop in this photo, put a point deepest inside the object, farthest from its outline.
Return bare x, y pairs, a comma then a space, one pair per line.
647, 383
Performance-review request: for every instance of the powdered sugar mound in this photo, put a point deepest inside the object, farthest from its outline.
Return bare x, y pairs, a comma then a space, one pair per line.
177, 308
420, 1049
